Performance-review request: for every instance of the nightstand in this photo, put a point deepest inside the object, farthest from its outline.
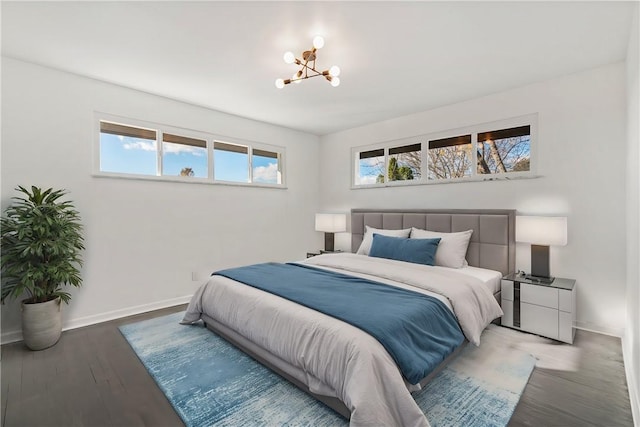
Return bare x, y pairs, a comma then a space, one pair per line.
547, 309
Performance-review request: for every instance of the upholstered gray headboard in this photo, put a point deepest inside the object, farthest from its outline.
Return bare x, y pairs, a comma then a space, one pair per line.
492, 243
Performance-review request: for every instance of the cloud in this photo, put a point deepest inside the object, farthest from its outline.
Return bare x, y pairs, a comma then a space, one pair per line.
140, 145
267, 174
368, 179
170, 148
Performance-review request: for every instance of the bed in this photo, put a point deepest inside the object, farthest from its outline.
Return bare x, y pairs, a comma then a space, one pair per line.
338, 363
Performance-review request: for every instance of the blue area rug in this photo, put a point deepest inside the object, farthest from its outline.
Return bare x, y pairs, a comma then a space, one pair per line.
210, 382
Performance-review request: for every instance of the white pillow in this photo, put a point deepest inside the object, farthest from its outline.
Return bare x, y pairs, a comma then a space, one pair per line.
367, 240
452, 248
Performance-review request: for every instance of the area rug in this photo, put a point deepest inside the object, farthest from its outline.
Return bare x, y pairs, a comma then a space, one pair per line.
211, 383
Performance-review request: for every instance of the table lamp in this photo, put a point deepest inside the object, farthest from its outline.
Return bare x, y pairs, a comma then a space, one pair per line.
330, 224
541, 232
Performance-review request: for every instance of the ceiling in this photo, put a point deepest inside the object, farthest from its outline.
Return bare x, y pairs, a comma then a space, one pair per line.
396, 58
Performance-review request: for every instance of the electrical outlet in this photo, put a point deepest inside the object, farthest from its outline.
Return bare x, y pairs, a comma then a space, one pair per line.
195, 276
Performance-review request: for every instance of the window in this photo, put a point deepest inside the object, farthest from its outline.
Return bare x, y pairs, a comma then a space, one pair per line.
231, 162
405, 163
183, 156
127, 150
137, 149
371, 167
505, 150
479, 152
266, 167
450, 157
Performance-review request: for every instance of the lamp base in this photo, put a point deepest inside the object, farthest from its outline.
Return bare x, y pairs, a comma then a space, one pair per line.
539, 279
329, 242
540, 261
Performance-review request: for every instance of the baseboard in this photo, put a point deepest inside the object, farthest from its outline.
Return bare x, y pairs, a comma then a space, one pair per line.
632, 381
585, 326
13, 336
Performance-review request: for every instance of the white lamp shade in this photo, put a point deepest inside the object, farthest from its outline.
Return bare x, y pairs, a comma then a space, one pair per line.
542, 230
331, 223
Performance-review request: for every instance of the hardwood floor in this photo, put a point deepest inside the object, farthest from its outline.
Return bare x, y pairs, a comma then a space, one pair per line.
584, 386
93, 378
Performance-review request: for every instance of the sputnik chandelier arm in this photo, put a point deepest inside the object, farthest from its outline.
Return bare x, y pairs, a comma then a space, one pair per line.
308, 66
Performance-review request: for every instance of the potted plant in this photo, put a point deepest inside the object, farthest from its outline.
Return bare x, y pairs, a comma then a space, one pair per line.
41, 243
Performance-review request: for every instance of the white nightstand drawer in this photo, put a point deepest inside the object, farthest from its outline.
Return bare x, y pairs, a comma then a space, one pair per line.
539, 295
507, 290
539, 320
507, 317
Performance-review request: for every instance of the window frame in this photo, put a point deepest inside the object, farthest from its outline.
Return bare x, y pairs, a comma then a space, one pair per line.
209, 138
473, 130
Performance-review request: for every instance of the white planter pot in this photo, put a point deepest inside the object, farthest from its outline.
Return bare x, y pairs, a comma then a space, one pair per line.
41, 324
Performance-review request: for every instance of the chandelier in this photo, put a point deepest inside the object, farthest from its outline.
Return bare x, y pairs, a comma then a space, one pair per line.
308, 66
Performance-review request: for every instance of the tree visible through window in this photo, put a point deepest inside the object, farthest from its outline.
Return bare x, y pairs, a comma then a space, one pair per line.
371, 167
505, 150
450, 157
472, 152
183, 156
405, 163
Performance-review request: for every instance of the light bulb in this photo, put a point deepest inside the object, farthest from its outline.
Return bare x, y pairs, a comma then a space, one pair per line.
296, 77
318, 42
335, 81
289, 57
334, 71
279, 83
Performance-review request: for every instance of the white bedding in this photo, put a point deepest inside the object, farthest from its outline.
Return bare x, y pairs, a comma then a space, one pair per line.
339, 359
489, 278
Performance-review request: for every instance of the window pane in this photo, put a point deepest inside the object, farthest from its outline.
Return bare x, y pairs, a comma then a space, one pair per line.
182, 156
370, 167
129, 150
450, 157
404, 163
505, 150
265, 167
230, 162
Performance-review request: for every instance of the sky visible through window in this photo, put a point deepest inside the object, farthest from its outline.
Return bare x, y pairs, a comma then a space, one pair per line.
230, 166
123, 154
370, 170
265, 170
137, 156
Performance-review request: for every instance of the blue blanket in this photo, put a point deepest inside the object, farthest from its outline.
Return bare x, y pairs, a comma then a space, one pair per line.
417, 330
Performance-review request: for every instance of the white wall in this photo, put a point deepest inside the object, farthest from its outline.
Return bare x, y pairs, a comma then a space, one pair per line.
581, 123
143, 239
631, 339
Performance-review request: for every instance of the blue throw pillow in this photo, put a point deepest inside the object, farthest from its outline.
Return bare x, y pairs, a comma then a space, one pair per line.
419, 251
